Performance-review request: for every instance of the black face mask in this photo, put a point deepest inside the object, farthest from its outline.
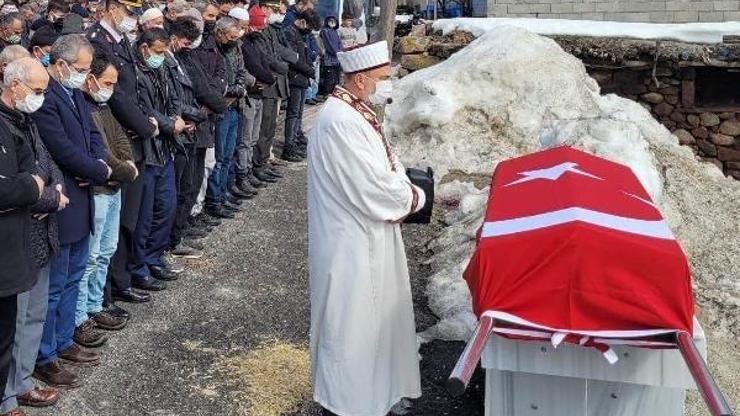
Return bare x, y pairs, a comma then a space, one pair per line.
58, 23
230, 44
209, 25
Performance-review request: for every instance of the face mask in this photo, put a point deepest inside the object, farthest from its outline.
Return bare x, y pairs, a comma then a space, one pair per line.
58, 23
14, 39
31, 103
208, 26
45, 60
275, 18
383, 93
131, 36
162, 6
126, 25
75, 79
154, 61
103, 94
196, 42
332, 25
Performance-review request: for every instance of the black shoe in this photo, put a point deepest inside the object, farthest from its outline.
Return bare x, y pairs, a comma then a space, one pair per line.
311, 102
208, 220
185, 251
160, 273
219, 212
291, 157
131, 296
256, 182
149, 283
238, 193
118, 311
233, 200
264, 177
229, 207
246, 187
272, 172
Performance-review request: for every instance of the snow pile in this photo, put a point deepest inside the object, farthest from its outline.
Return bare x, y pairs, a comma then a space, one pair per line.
681, 32
512, 92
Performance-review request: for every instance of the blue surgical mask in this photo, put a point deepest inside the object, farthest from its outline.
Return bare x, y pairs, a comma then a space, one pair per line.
45, 60
154, 61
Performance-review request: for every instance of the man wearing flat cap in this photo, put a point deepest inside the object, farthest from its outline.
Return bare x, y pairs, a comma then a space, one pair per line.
363, 339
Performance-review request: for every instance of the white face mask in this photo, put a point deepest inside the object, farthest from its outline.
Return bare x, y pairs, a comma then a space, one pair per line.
103, 94
75, 79
196, 42
126, 25
383, 92
275, 18
31, 103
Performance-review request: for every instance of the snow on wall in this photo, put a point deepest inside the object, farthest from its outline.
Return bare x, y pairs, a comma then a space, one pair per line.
512, 92
682, 32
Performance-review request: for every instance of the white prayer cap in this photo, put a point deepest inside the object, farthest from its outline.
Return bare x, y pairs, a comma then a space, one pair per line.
239, 13
150, 14
364, 58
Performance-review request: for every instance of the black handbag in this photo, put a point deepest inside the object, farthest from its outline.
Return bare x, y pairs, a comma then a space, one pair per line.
424, 179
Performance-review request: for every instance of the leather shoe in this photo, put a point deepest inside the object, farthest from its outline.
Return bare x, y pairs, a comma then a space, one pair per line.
149, 284
291, 157
256, 182
238, 193
119, 312
77, 355
207, 220
39, 397
246, 187
273, 173
219, 212
131, 296
87, 336
228, 206
231, 199
161, 273
54, 374
108, 321
262, 176
15, 412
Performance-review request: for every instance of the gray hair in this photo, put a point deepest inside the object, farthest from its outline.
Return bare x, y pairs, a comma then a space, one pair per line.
67, 48
197, 18
201, 5
226, 24
15, 70
178, 6
7, 20
13, 52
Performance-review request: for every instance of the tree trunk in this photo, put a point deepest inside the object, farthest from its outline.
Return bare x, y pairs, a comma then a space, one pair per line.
386, 22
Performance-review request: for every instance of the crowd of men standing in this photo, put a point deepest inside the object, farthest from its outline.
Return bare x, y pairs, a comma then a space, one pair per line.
128, 130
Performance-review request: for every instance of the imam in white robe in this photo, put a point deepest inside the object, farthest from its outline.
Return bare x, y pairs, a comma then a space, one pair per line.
363, 339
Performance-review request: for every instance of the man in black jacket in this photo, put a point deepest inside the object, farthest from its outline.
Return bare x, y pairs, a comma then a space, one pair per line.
300, 73
217, 198
20, 188
109, 38
160, 99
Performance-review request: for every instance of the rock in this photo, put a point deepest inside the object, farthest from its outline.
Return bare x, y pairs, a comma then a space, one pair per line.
671, 99
443, 49
684, 137
663, 109
602, 78
402, 72
419, 30
714, 162
653, 98
709, 119
678, 117
635, 89
417, 62
727, 154
707, 148
663, 71
722, 140
726, 116
646, 106
730, 127
734, 173
669, 91
700, 133
693, 120
413, 44
733, 165
669, 124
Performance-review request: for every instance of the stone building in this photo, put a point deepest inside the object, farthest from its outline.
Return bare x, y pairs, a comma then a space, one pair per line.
665, 11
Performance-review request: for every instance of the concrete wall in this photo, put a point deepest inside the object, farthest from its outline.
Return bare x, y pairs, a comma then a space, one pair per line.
666, 11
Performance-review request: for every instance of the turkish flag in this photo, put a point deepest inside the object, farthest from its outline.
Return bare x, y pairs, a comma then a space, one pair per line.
572, 243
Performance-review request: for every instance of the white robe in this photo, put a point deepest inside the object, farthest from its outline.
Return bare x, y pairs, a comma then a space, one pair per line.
363, 341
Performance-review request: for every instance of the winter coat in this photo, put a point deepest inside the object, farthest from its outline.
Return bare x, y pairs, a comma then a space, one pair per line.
257, 63
237, 77
190, 109
125, 100
45, 231
312, 47
159, 100
332, 44
290, 16
301, 71
69, 133
278, 47
117, 144
204, 94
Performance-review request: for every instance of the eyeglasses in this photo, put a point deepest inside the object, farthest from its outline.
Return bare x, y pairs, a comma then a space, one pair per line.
37, 91
83, 71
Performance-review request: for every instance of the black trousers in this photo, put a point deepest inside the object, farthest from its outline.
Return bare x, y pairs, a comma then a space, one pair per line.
185, 184
328, 79
119, 278
267, 132
199, 171
8, 309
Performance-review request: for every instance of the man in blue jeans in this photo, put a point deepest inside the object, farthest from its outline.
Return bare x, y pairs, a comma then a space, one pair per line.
66, 128
227, 33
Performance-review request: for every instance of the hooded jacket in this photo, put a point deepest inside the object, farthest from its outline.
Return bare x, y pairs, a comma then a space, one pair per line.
332, 43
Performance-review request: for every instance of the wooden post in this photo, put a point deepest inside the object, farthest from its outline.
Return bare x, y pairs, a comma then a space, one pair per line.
386, 23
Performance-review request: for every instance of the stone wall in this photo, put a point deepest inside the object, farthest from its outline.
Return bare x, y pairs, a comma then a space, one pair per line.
667, 11
669, 87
